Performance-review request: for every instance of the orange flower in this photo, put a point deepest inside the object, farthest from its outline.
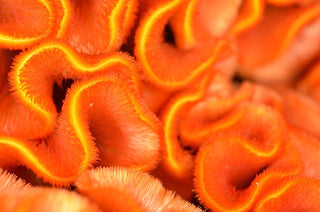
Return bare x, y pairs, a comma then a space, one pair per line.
283, 34
110, 22
219, 111
250, 14
33, 76
212, 114
120, 126
176, 167
164, 65
283, 197
16, 195
198, 21
233, 169
121, 189
70, 100
25, 23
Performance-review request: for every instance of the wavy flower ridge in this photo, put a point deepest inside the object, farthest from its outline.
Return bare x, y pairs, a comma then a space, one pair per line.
26, 80
72, 132
217, 100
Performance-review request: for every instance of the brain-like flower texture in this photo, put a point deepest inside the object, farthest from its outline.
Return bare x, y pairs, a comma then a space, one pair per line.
168, 105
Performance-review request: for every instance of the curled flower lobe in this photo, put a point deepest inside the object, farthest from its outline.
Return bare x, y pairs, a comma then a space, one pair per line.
48, 161
56, 61
24, 23
283, 38
232, 169
9, 108
196, 21
105, 109
175, 169
235, 185
250, 14
125, 131
16, 195
122, 189
70, 101
212, 114
294, 194
155, 55
220, 111
110, 22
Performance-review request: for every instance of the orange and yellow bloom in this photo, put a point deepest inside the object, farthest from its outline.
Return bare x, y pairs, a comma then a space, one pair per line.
169, 105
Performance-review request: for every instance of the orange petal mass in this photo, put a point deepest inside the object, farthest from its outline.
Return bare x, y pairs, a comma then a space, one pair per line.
186, 106
24, 23
33, 72
176, 167
109, 21
212, 114
121, 189
286, 35
163, 64
232, 168
231, 172
91, 107
125, 131
196, 21
16, 195
283, 197
250, 13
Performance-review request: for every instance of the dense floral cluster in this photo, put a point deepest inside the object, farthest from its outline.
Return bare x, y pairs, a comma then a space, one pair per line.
159, 105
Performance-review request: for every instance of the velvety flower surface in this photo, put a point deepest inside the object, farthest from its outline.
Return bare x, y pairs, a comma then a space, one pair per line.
159, 105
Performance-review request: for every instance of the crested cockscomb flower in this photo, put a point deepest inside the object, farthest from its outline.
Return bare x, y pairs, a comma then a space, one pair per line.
184, 105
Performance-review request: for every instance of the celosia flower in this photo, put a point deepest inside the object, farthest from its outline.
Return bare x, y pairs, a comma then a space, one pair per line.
283, 197
24, 23
120, 189
16, 195
110, 22
232, 171
180, 109
176, 167
286, 35
164, 65
86, 117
